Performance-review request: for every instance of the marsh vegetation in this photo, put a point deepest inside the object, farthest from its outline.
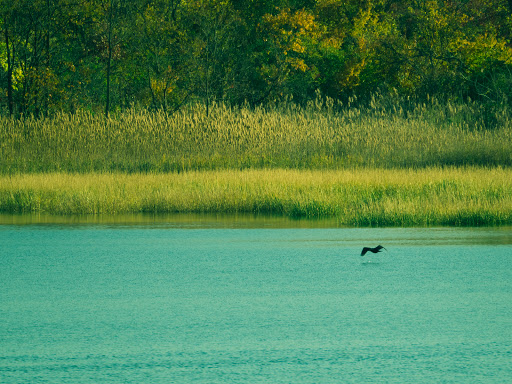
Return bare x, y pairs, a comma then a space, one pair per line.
384, 162
363, 197
386, 132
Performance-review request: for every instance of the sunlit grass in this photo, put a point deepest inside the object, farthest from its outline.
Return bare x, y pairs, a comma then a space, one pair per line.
362, 197
384, 162
322, 135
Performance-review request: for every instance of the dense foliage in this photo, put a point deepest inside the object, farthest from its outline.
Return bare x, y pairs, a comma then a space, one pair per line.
106, 55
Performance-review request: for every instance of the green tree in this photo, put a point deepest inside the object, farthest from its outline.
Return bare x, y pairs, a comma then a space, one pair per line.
163, 53
217, 35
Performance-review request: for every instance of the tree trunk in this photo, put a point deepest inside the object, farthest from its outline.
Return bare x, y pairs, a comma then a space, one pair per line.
47, 92
109, 60
10, 61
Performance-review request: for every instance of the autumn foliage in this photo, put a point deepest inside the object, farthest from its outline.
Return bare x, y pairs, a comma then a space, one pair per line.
107, 55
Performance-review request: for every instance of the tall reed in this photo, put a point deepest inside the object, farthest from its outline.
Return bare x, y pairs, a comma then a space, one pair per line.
385, 132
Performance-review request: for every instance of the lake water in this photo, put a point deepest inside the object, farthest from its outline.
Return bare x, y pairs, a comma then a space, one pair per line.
186, 301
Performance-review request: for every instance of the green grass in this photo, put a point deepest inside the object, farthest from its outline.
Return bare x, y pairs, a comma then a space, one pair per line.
389, 161
384, 133
361, 197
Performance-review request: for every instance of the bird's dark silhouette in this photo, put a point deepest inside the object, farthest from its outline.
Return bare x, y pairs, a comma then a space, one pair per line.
377, 249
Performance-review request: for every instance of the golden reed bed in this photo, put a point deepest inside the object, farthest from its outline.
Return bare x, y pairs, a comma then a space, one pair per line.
359, 197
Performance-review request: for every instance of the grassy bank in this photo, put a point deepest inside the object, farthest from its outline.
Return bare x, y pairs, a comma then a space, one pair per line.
384, 133
435, 196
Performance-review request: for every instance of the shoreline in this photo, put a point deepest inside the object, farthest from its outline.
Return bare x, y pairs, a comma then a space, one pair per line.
203, 221
472, 196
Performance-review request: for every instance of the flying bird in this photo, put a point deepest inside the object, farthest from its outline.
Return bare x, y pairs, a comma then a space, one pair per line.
377, 249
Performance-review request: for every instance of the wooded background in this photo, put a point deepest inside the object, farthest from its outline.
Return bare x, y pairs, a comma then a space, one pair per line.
108, 55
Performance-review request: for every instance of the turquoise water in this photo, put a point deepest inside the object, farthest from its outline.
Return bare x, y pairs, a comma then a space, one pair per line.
182, 303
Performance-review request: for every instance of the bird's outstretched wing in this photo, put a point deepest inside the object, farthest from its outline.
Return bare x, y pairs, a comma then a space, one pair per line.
373, 250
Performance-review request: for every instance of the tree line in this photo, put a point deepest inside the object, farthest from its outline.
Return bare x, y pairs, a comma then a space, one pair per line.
108, 55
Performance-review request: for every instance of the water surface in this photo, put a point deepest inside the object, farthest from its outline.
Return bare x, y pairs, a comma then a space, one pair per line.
174, 302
